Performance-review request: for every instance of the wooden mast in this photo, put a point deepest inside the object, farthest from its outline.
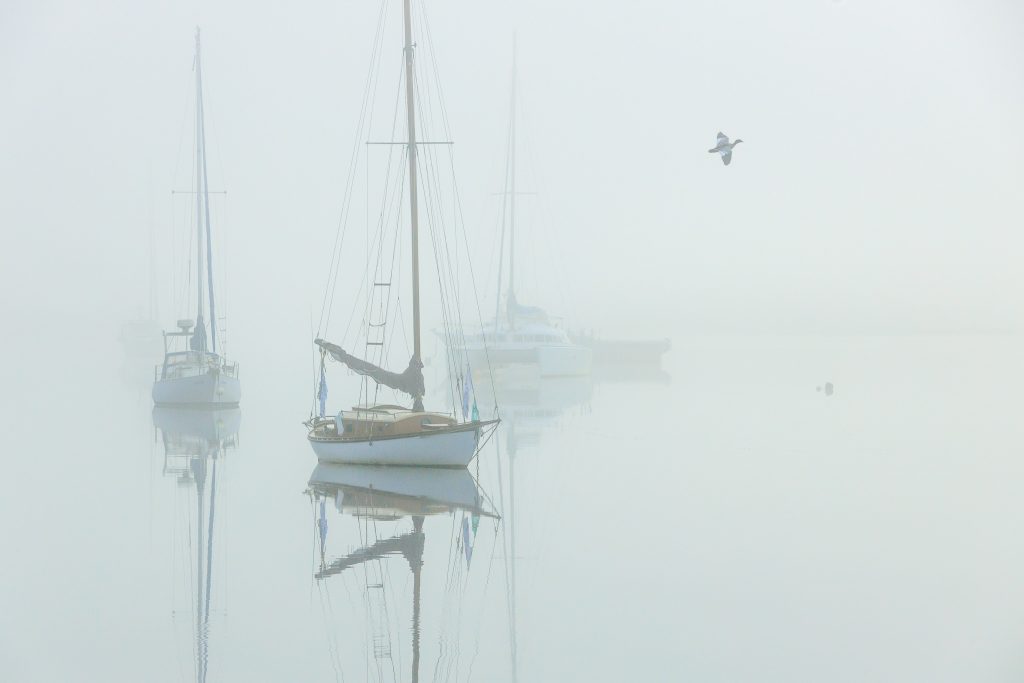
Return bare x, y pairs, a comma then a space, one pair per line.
410, 94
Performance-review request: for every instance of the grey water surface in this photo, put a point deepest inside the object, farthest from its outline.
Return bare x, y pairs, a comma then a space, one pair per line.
720, 519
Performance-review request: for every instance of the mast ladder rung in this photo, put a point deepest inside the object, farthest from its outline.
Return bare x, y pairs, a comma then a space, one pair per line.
381, 284
369, 343
377, 324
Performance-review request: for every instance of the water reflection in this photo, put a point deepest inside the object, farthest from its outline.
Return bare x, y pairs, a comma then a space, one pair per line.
531, 406
195, 443
381, 498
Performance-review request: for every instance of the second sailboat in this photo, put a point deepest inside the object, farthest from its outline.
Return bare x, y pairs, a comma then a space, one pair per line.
384, 433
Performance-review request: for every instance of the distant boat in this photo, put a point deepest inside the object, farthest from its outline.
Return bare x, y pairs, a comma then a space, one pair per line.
523, 334
625, 351
193, 373
387, 434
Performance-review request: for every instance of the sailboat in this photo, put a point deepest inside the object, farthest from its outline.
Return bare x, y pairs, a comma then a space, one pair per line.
392, 494
193, 373
523, 335
389, 434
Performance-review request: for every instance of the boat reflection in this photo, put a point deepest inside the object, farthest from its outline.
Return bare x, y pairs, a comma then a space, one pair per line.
531, 406
195, 445
373, 495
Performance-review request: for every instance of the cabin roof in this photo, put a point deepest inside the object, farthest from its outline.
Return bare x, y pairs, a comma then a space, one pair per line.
387, 413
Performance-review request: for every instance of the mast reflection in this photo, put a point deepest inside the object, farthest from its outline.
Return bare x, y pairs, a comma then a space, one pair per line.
383, 494
195, 442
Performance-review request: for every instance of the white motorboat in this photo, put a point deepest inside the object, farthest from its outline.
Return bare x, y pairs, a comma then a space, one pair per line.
531, 341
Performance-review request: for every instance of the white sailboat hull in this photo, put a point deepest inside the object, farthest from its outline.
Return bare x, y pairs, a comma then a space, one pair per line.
442, 449
207, 389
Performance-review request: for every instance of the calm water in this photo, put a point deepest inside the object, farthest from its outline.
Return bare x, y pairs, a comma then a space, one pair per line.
722, 520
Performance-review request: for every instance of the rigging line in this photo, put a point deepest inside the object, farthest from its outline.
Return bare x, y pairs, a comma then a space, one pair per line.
369, 127
327, 612
377, 251
446, 264
545, 208
398, 305
455, 334
346, 197
383, 221
445, 314
380, 226
461, 214
397, 209
177, 165
386, 209
504, 216
432, 229
491, 431
209, 543
446, 126
449, 290
224, 254
450, 264
457, 206
476, 298
393, 291
346, 204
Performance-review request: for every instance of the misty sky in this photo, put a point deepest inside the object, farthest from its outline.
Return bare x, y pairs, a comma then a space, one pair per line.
874, 191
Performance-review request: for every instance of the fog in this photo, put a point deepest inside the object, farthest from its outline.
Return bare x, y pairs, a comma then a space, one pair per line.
873, 193
867, 232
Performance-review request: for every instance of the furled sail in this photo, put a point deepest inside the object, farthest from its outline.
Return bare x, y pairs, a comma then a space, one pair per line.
516, 311
410, 381
198, 340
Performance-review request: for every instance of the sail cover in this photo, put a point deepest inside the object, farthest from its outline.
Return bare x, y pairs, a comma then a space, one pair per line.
410, 381
198, 340
515, 310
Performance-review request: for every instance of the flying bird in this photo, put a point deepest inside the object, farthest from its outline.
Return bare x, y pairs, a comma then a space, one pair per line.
724, 147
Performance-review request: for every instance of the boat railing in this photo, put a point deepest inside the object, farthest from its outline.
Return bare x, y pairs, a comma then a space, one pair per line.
193, 363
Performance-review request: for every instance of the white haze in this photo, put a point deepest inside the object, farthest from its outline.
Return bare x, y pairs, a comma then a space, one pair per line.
731, 524
873, 192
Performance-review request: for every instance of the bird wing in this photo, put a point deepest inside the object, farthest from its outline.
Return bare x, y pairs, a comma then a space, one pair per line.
722, 138
726, 156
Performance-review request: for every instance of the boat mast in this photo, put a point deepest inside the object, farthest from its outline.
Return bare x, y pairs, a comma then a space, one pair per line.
201, 154
410, 94
512, 171
199, 201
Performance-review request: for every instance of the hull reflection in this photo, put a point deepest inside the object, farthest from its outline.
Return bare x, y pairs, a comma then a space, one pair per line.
383, 494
